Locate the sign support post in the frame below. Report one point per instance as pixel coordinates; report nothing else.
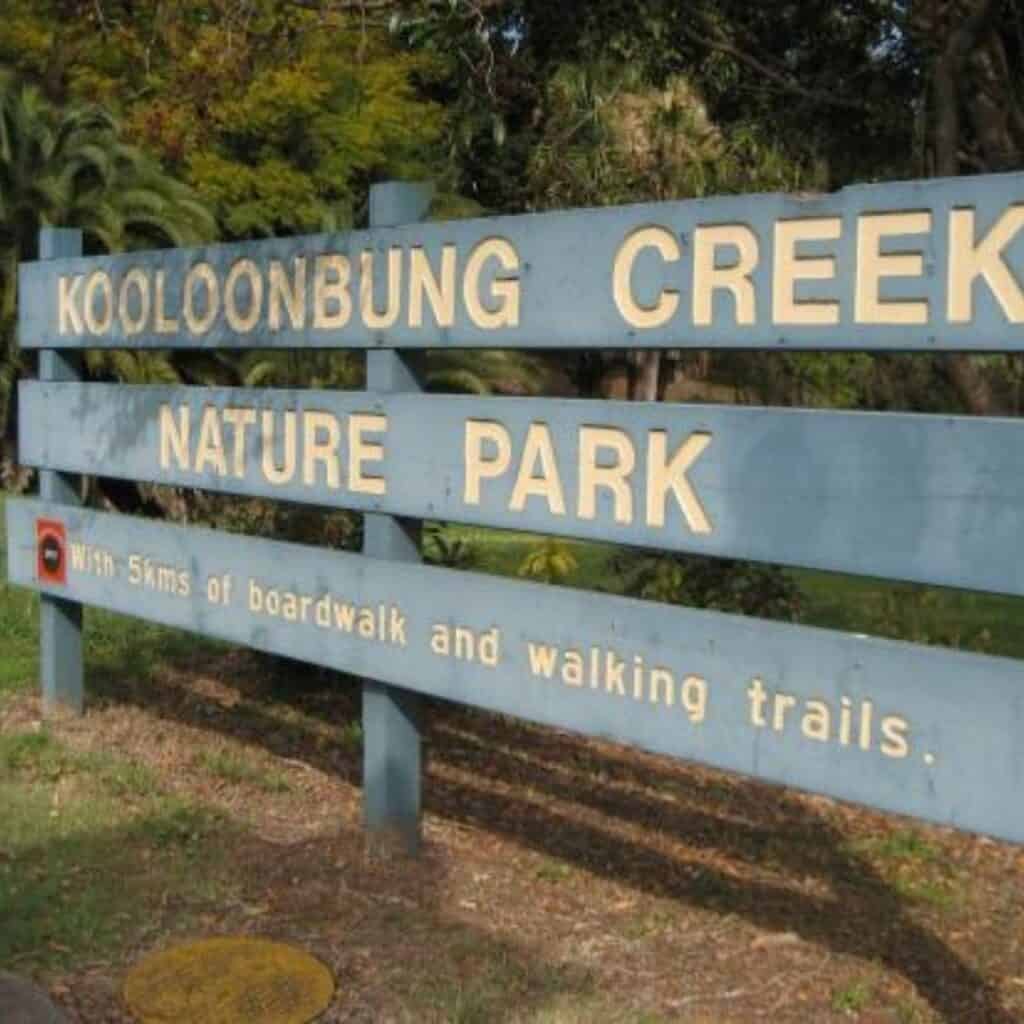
(60, 620)
(392, 758)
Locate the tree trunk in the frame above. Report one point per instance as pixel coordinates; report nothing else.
(965, 31)
(645, 384)
(970, 383)
(945, 115)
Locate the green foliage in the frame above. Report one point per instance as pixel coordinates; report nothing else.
(350, 736)
(611, 137)
(551, 561)
(139, 366)
(852, 998)
(279, 116)
(808, 379)
(286, 368)
(234, 767)
(904, 845)
(985, 623)
(71, 167)
(90, 848)
(292, 150)
(302, 524)
(448, 549)
(485, 372)
(715, 583)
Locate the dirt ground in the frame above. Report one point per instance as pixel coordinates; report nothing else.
(561, 880)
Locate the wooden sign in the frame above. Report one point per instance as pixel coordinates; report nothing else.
(930, 266)
(918, 265)
(933, 499)
(872, 720)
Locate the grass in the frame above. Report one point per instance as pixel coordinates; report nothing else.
(38, 756)
(942, 894)
(91, 845)
(19, 653)
(554, 871)
(985, 623)
(350, 736)
(913, 867)
(852, 998)
(645, 925)
(232, 766)
(904, 845)
(484, 993)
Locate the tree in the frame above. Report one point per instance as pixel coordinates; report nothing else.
(972, 112)
(279, 114)
(611, 137)
(71, 168)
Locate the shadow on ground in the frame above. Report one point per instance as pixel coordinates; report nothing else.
(378, 923)
(480, 766)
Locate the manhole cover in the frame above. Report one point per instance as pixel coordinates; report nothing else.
(229, 981)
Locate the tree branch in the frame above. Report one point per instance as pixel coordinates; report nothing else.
(947, 72)
(723, 45)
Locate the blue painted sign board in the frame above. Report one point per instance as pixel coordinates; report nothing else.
(918, 265)
(926, 266)
(884, 723)
(934, 499)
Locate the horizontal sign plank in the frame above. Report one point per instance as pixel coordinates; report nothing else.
(925, 498)
(884, 723)
(915, 265)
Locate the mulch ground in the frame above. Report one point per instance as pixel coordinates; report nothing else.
(561, 879)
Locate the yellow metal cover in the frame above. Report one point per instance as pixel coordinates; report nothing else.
(229, 981)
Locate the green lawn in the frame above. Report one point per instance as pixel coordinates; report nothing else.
(19, 657)
(90, 845)
(933, 615)
(89, 842)
(989, 623)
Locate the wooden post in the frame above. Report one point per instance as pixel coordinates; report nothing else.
(60, 621)
(392, 762)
